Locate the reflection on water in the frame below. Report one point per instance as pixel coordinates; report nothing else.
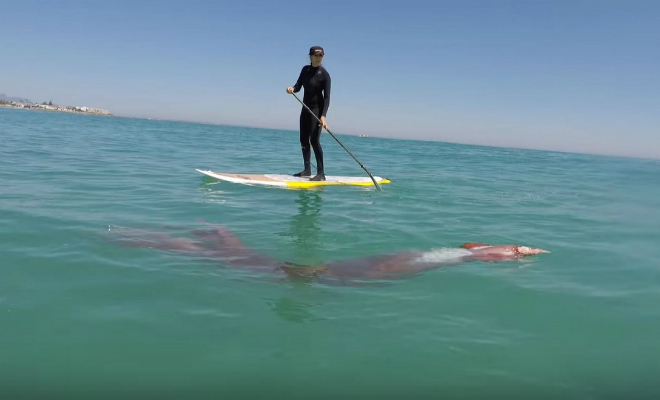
(305, 228)
(293, 309)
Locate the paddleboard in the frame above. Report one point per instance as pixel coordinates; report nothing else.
(292, 181)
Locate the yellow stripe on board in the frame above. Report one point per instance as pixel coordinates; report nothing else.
(333, 183)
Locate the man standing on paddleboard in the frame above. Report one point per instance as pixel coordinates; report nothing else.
(316, 81)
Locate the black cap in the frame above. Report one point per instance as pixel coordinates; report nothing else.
(315, 50)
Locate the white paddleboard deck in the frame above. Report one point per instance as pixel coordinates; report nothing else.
(282, 180)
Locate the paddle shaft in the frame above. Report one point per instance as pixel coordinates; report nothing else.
(338, 141)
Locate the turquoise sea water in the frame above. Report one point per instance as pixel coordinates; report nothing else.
(83, 317)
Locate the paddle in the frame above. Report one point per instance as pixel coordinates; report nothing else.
(340, 143)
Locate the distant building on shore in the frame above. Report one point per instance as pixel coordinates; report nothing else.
(54, 107)
(92, 110)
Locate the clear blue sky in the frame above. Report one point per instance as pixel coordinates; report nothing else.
(570, 75)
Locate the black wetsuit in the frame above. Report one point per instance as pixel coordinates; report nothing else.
(316, 82)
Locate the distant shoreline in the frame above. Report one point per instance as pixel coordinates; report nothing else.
(653, 158)
(56, 108)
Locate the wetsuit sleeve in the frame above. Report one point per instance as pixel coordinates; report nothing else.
(326, 94)
(298, 85)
